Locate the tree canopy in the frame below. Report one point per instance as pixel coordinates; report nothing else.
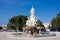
(55, 23)
(17, 22)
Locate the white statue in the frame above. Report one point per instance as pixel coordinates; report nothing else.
(32, 19)
(32, 11)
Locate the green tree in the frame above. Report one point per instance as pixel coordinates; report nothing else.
(39, 23)
(17, 22)
(56, 22)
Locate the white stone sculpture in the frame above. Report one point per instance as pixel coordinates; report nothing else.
(32, 19)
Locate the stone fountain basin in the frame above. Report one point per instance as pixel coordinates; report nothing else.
(43, 34)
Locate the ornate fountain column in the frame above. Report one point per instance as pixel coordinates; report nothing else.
(31, 23)
(32, 19)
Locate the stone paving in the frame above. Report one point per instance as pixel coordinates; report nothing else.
(4, 36)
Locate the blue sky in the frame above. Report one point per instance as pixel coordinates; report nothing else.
(45, 10)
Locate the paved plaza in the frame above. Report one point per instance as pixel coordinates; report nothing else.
(5, 36)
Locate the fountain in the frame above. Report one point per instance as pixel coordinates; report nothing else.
(31, 29)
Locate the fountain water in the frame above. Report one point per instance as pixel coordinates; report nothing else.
(32, 19)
